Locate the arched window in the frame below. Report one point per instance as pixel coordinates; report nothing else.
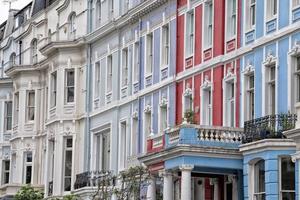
(72, 27)
(259, 180)
(12, 59)
(98, 12)
(34, 51)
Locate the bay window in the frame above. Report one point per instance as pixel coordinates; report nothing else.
(70, 85)
(16, 108)
(72, 26)
(189, 35)
(67, 164)
(34, 51)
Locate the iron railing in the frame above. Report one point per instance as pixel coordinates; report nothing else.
(270, 126)
(94, 179)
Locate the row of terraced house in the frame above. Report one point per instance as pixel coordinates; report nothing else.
(205, 93)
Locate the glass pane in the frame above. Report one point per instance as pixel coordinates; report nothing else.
(29, 157)
(70, 78)
(260, 176)
(69, 142)
(6, 177)
(70, 94)
(30, 114)
(67, 184)
(288, 196)
(68, 163)
(251, 82)
(28, 174)
(6, 165)
(272, 73)
(31, 99)
(287, 174)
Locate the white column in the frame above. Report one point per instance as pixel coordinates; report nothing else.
(168, 186)
(186, 182)
(151, 191)
(199, 188)
(214, 182)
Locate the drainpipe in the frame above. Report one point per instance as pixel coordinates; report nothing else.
(87, 134)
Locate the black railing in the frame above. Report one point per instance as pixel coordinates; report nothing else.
(94, 179)
(270, 126)
(50, 188)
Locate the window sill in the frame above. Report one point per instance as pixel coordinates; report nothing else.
(295, 8)
(271, 18)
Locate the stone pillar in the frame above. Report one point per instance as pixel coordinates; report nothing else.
(186, 182)
(199, 188)
(168, 185)
(151, 190)
(296, 160)
(235, 192)
(215, 183)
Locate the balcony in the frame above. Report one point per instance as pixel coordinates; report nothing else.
(93, 179)
(271, 126)
(212, 136)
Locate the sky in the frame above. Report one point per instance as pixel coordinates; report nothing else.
(17, 4)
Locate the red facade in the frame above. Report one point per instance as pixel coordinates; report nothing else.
(202, 60)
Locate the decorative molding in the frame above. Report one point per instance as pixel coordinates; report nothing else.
(147, 109)
(163, 102)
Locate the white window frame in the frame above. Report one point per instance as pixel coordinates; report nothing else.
(7, 117)
(165, 45)
(189, 33)
(123, 145)
(255, 182)
(98, 12)
(109, 73)
(34, 50)
(70, 87)
(271, 9)
(208, 27)
(72, 25)
(269, 83)
(280, 180)
(206, 105)
(147, 127)
(149, 54)
(163, 118)
(97, 80)
(125, 65)
(231, 24)
(134, 136)
(251, 14)
(53, 95)
(30, 107)
(249, 91)
(229, 118)
(27, 164)
(5, 171)
(67, 149)
(136, 60)
(100, 161)
(16, 107)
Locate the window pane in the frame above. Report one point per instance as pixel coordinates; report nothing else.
(68, 163)
(6, 165)
(28, 174)
(70, 78)
(69, 143)
(260, 176)
(29, 157)
(288, 196)
(70, 94)
(287, 174)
